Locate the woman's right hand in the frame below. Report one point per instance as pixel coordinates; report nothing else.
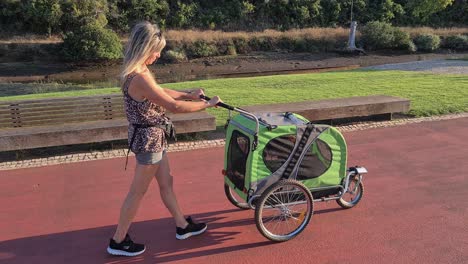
(214, 101)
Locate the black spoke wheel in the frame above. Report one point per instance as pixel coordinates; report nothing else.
(284, 210)
(353, 195)
(234, 198)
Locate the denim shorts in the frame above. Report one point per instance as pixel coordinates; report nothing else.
(149, 158)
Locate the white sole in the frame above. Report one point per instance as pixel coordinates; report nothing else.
(117, 252)
(182, 237)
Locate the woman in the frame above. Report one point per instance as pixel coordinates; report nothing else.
(145, 105)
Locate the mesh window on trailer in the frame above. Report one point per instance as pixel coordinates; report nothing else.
(238, 153)
(316, 161)
(277, 151)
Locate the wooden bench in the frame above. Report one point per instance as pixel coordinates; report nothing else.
(39, 123)
(380, 106)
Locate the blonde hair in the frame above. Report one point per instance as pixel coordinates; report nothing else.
(144, 39)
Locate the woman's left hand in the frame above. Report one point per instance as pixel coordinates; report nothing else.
(195, 94)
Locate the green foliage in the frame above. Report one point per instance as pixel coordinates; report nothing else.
(231, 50)
(330, 13)
(183, 14)
(402, 40)
(11, 15)
(242, 45)
(301, 45)
(92, 42)
(201, 48)
(458, 42)
(83, 12)
(154, 11)
(42, 16)
(85, 36)
(423, 9)
(118, 16)
(247, 9)
(175, 55)
(378, 35)
(226, 47)
(286, 14)
(381, 35)
(427, 42)
(46, 16)
(261, 43)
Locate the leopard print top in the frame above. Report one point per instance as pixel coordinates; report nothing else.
(150, 139)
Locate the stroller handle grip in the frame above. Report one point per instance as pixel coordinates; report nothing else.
(223, 105)
(241, 111)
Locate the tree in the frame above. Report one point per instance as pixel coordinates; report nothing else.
(92, 42)
(78, 13)
(85, 36)
(42, 16)
(423, 9)
(182, 14)
(154, 11)
(383, 10)
(330, 12)
(11, 15)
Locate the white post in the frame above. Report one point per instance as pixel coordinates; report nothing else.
(352, 36)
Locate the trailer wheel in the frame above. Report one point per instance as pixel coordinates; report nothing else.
(284, 210)
(353, 195)
(234, 199)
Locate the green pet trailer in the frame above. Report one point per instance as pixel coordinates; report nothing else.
(279, 164)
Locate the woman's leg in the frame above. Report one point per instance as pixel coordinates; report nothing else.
(143, 176)
(165, 182)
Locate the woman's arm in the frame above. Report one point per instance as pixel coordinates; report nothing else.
(176, 95)
(153, 92)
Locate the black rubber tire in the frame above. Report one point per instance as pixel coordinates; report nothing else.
(227, 191)
(261, 202)
(346, 205)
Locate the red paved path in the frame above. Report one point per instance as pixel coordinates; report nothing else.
(414, 209)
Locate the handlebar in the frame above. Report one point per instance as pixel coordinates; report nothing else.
(223, 105)
(246, 113)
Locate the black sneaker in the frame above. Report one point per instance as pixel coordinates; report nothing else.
(192, 229)
(125, 248)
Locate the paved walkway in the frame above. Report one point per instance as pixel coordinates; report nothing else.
(432, 66)
(414, 209)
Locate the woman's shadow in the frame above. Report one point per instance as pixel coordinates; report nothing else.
(89, 245)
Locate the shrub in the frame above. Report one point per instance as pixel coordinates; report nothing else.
(301, 45)
(92, 42)
(261, 43)
(200, 48)
(427, 42)
(226, 47)
(378, 35)
(381, 35)
(231, 50)
(457, 42)
(326, 44)
(285, 43)
(175, 55)
(402, 40)
(241, 44)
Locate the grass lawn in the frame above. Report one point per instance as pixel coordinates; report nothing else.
(430, 94)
